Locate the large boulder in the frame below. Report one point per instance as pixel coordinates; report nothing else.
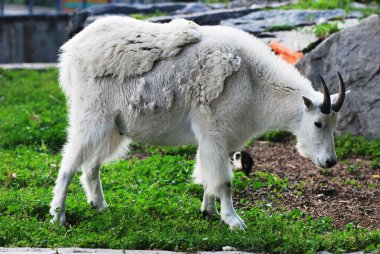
(213, 17)
(268, 20)
(78, 19)
(355, 53)
(218, 14)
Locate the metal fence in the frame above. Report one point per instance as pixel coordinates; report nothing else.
(59, 5)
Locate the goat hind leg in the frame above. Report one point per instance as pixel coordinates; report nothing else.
(80, 148)
(71, 160)
(110, 145)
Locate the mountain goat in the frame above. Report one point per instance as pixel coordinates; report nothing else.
(180, 83)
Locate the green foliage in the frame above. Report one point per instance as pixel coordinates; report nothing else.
(276, 136)
(330, 5)
(348, 145)
(152, 202)
(218, 2)
(188, 151)
(311, 46)
(321, 4)
(157, 13)
(325, 29)
(32, 109)
(280, 28)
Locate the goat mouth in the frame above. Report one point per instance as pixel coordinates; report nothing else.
(319, 164)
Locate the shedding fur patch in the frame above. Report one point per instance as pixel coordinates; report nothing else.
(123, 47)
(207, 78)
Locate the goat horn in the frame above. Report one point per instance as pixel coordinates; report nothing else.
(326, 105)
(341, 96)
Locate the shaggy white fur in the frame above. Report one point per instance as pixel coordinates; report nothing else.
(125, 47)
(174, 84)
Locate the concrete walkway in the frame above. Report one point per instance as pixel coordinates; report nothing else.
(23, 9)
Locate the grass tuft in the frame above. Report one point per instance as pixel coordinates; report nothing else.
(326, 29)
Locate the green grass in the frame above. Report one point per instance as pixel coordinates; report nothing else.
(226, 2)
(148, 15)
(152, 202)
(32, 109)
(330, 5)
(280, 28)
(325, 29)
(320, 4)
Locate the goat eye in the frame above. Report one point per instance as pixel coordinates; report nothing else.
(318, 124)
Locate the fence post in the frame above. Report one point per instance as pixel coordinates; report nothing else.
(30, 7)
(59, 6)
(1, 7)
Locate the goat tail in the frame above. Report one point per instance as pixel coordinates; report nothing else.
(65, 73)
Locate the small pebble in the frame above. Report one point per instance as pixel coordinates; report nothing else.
(229, 248)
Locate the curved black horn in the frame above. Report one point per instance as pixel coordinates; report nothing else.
(342, 94)
(326, 105)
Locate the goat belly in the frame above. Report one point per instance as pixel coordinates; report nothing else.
(152, 130)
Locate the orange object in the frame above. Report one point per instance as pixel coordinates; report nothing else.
(289, 55)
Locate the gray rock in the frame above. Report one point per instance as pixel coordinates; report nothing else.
(193, 8)
(269, 3)
(372, 6)
(295, 39)
(78, 19)
(347, 23)
(355, 52)
(217, 6)
(261, 21)
(213, 17)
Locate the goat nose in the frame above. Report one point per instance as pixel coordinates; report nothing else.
(330, 162)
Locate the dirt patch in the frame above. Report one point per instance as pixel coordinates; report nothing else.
(347, 193)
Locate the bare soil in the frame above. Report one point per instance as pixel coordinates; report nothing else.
(348, 193)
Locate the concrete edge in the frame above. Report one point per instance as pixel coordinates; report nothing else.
(98, 251)
(32, 66)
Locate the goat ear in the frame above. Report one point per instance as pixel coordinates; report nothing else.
(308, 102)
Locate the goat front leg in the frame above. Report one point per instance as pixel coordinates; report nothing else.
(93, 186)
(229, 215)
(216, 177)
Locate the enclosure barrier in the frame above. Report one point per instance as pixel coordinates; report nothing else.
(63, 6)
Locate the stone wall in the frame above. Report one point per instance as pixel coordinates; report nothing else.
(28, 39)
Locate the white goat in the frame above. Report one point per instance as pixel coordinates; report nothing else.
(175, 84)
